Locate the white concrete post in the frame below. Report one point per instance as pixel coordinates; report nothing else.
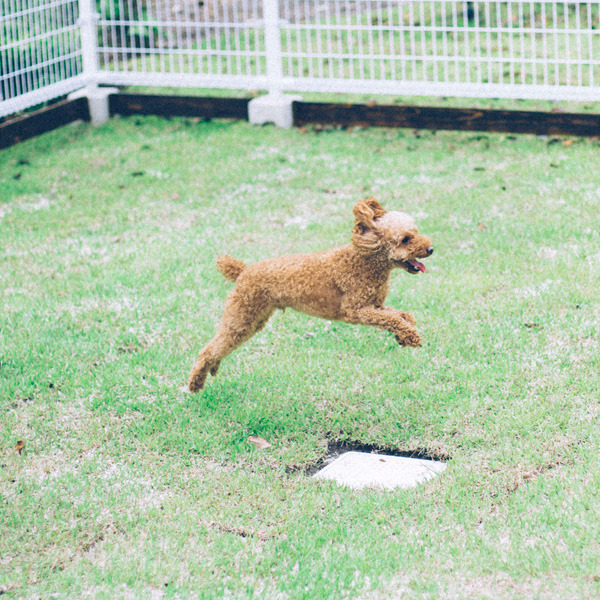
(97, 97)
(275, 107)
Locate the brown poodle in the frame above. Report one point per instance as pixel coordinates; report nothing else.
(347, 284)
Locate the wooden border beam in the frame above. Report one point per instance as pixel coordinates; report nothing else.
(179, 106)
(460, 119)
(46, 119)
(306, 113)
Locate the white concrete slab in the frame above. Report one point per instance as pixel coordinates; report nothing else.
(361, 469)
(272, 108)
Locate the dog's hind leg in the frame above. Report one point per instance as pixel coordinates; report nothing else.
(207, 361)
(243, 317)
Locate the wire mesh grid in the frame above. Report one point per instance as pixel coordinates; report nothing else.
(193, 41)
(40, 50)
(513, 48)
(486, 48)
(442, 45)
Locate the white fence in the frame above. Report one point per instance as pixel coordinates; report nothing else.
(40, 51)
(481, 48)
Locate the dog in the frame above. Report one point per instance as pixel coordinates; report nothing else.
(348, 284)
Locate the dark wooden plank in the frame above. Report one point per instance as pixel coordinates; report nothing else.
(413, 117)
(46, 119)
(418, 117)
(179, 106)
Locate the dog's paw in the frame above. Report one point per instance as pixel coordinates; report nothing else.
(409, 317)
(412, 339)
(195, 383)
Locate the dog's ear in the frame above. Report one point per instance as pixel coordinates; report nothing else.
(365, 212)
(364, 235)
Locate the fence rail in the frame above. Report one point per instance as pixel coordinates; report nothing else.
(479, 48)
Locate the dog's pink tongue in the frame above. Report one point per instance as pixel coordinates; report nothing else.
(417, 265)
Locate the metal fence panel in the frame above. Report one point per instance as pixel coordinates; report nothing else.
(40, 51)
(492, 48)
(480, 48)
(209, 43)
(489, 48)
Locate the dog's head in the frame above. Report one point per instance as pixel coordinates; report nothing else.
(391, 235)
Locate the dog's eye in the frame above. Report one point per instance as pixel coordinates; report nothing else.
(406, 240)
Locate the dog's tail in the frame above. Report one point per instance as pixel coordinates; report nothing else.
(230, 267)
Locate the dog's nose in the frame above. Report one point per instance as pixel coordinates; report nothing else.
(429, 250)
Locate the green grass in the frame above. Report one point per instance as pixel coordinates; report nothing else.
(129, 488)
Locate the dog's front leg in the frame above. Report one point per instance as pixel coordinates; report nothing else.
(395, 321)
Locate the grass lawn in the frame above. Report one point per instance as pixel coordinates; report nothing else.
(129, 488)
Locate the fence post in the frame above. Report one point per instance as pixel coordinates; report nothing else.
(275, 107)
(89, 40)
(97, 97)
(273, 46)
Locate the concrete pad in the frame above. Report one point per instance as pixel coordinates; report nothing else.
(272, 108)
(97, 101)
(361, 469)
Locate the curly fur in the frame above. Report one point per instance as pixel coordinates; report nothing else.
(230, 267)
(347, 284)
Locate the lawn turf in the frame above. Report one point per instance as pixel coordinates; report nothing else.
(128, 487)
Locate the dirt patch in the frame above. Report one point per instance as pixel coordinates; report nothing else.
(337, 448)
(240, 531)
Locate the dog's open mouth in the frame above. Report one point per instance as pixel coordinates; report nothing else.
(414, 266)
